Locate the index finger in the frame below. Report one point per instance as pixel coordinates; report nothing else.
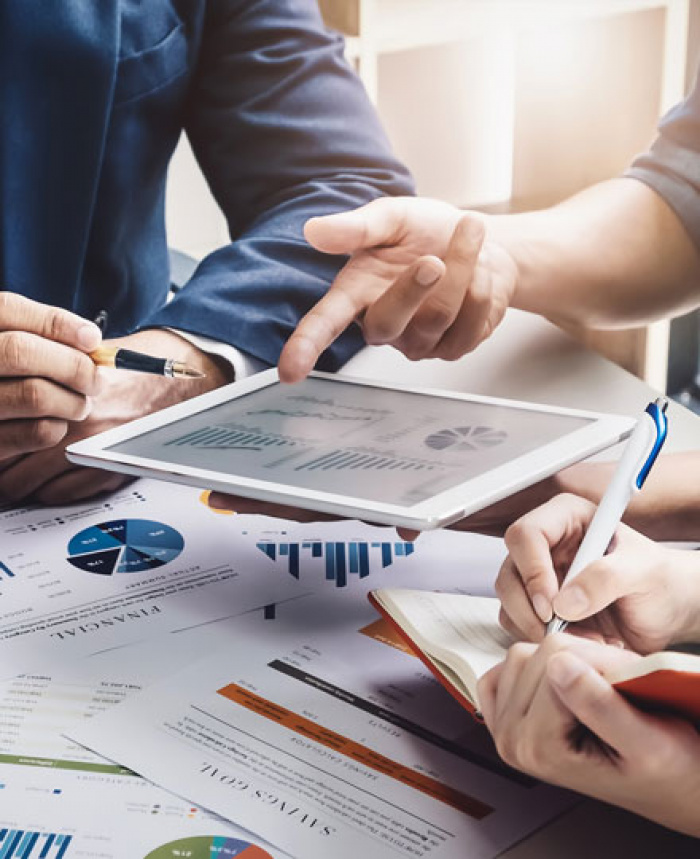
(531, 540)
(18, 313)
(323, 324)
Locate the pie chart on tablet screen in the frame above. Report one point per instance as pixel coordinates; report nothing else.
(209, 847)
(124, 546)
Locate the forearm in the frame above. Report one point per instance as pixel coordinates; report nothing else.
(667, 509)
(614, 255)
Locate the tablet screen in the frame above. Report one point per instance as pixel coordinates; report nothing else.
(396, 447)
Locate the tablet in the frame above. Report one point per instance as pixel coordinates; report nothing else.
(353, 447)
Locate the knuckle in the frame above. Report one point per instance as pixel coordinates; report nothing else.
(413, 347)
(435, 317)
(450, 351)
(518, 655)
(516, 533)
(45, 433)
(14, 351)
(33, 396)
(506, 746)
(378, 332)
(8, 300)
(82, 372)
(501, 584)
(55, 327)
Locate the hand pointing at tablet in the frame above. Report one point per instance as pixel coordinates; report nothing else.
(420, 278)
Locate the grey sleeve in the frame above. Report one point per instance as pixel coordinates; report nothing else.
(672, 165)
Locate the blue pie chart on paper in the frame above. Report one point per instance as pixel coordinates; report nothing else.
(124, 546)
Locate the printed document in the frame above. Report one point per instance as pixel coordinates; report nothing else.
(147, 560)
(319, 732)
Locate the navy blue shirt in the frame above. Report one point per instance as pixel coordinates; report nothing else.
(93, 98)
(672, 165)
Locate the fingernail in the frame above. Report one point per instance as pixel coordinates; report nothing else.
(543, 608)
(427, 274)
(87, 408)
(89, 336)
(563, 669)
(571, 603)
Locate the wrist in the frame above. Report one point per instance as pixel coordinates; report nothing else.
(683, 577)
(165, 343)
(668, 508)
(128, 395)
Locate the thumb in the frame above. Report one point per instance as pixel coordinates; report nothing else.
(377, 223)
(596, 704)
(599, 585)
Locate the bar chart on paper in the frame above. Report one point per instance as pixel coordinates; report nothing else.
(341, 559)
(20, 844)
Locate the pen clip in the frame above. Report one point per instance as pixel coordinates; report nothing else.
(657, 413)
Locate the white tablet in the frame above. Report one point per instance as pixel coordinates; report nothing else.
(357, 448)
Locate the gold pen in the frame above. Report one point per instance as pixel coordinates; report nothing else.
(127, 359)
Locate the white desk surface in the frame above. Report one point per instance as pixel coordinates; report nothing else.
(529, 359)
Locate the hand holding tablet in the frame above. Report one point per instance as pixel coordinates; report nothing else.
(346, 447)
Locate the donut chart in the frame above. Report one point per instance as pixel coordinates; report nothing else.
(124, 546)
(209, 847)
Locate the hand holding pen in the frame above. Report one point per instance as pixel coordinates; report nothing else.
(637, 593)
(639, 456)
(46, 376)
(127, 359)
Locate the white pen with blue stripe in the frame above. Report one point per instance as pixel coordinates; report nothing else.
(634, 466)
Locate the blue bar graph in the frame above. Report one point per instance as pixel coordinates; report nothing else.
(18, 844)
(6, 571)
(340, 559)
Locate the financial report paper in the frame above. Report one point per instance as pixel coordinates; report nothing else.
(324, 736)
(149, 559)
(59, 801)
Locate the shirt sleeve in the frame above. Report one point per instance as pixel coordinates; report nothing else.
(672, 165)
(283, 131)
(243, 365)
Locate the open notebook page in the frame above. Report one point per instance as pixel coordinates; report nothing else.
(443, 624)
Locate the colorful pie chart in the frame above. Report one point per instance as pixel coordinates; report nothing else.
(124, 546)
(209, 847)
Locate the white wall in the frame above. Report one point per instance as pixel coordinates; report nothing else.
(543, 116)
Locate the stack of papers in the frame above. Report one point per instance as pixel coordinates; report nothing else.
(201, 685)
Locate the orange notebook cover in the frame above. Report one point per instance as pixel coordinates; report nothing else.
(665, 689)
